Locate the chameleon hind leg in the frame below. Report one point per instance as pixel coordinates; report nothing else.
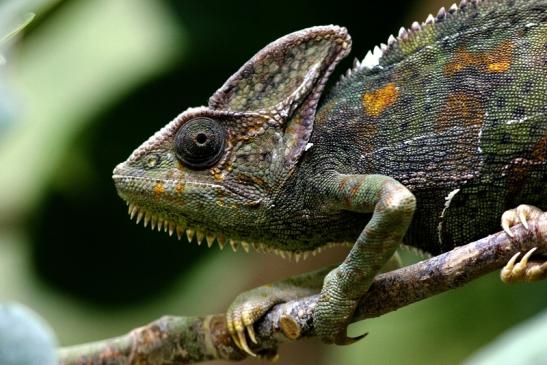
(249, 306)
(526, 269)
(392, 206)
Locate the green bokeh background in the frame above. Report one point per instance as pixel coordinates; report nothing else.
(89, 81)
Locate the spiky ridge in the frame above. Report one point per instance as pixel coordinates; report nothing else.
(181, 229)
(372, 58)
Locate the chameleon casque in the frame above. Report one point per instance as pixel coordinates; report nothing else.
(426, 142)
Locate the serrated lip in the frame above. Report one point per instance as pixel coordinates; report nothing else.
(159, 223)
(117, 177)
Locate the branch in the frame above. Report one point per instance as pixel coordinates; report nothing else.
(188, 340)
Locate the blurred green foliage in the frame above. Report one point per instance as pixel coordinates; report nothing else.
(523, 344)
(13, 19)
(92, 79)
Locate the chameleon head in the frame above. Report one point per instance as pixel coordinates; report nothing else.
(212, 170)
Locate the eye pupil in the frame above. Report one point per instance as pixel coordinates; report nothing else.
(199, 143)
(201, 138)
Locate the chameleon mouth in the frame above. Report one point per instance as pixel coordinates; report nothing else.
(159, 223)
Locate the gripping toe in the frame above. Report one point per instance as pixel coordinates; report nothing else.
(526, 270)
(242, 315)
(519, 215)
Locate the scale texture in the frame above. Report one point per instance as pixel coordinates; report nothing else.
(425, 142)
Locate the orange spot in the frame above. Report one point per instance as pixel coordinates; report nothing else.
(498, 67)
(356, 188)
(342, 184)
(218, 173)
(460, 109)
(249, 179)
(494, 61)
(375, 102)
(251, 131)
(179, 188)
(159, 188)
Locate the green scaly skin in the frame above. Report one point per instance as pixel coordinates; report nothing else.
(426, 142)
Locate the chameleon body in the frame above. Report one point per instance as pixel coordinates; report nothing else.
(426, 142)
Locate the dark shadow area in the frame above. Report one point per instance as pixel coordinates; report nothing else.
(84, 243)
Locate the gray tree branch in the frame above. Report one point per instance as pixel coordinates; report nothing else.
(188, 340)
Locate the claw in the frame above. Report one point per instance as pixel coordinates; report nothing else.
(507, 230)
(524, 270)
(251, 332)
(346, 340)
(235, 339)
(507, 220)
(511, 262)
(506, 272)
(243, 343)
(520, 214)
(522, 218)
(525, 258)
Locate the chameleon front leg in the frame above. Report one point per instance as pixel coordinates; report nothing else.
(392, 206)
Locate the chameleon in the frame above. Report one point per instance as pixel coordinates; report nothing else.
(428, 142)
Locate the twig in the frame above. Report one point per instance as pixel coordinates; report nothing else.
(188, 340)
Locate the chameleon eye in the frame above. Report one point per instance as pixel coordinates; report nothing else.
(199, 143)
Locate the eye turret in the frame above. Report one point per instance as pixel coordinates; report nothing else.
(200, 142)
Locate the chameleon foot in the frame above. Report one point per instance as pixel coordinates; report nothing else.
(333, 312)
(520, 214)
(249, 306)
(525, 270)
(246, 309)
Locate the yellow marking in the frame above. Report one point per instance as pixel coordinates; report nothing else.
(250, 179)
(179, 188)
(375, 102)
(495, 61)
(499, 60)
(251, 131)
(218, 174)
(498, 67)
(461, 60)
(159, 188)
